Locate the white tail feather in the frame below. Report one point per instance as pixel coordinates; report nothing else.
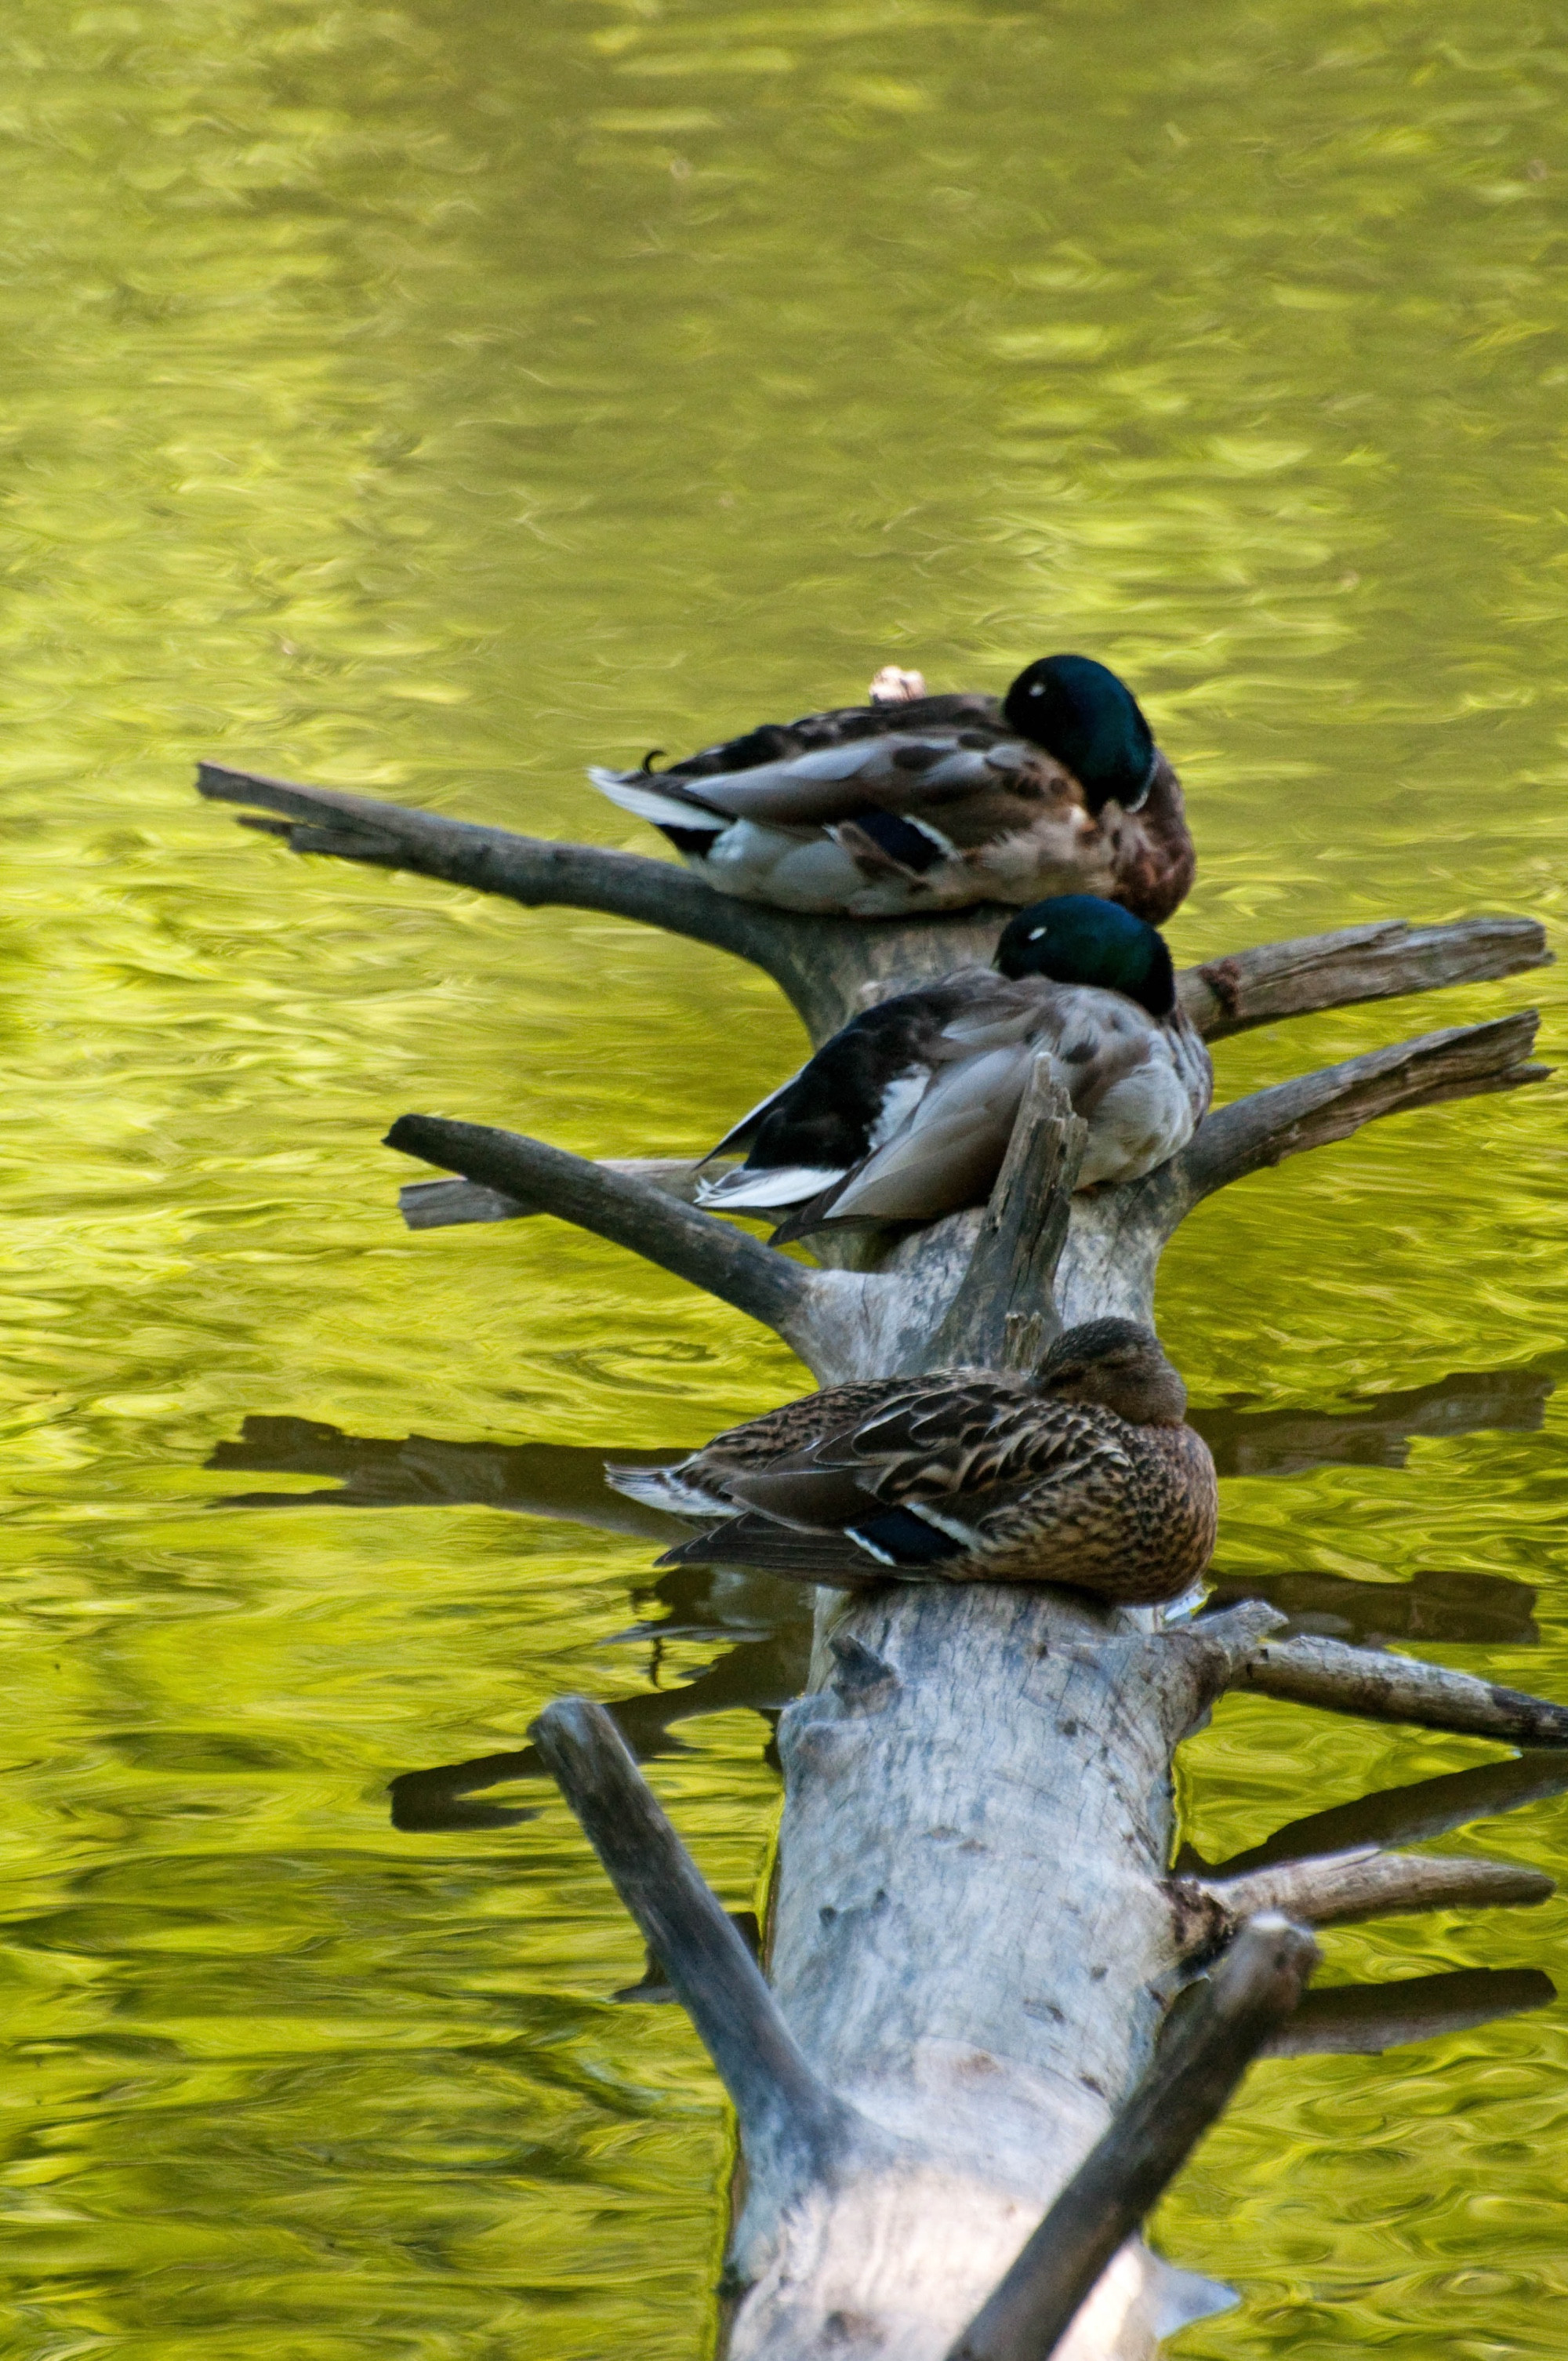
(785, 1184)
(665, 810)
(664, 1488)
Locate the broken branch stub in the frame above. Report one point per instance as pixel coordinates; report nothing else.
(1349, 1886)
(1384, 1687)
(1251, 1994)
(1379, 962)
(793, 2129)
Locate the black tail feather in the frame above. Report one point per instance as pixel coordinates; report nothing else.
(777, 1549)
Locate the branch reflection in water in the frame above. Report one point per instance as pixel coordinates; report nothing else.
(767, 1624)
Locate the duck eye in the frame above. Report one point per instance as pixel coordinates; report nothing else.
(1038, 688)
(1036, 932)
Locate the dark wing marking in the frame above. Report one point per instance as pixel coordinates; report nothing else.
(823, 1120)
(901, 1541)
(889, 836)
(975, 715)
(756, 1541)
(1027, 1442)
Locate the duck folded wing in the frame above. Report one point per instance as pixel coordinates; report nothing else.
(1045, 1449)
(978, 1437)
(950, 1147)
(858, 1090)
(887, 772)
(1045, 1452)
(968, 710)
(697, 1484)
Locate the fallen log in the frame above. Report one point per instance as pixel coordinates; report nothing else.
(943, 2084)
(974, 1946)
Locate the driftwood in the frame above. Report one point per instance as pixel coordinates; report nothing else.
(1258, 1988)
(976, 1964)
(825, 966)
(949, 2104)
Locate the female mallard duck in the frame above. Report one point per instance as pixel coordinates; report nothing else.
(1083, 1473)
(913, 803)
(906, 1113)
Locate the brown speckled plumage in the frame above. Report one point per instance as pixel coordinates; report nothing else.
(1039, 1479)
(1021, 826)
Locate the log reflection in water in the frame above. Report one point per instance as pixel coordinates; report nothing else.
(1376, 1431)
(769, 1625)
(1363, 2020)
(1447, 1604)
(533, 1479)
(1405, 1816)
(547, 1479)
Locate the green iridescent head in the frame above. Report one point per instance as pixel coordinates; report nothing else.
(1079, 938)
(1079, 711)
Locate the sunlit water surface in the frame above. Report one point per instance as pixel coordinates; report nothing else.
(431, 398)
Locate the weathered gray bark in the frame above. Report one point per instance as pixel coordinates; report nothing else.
(1397, 1688)
(1254, 1990)
(975, 1940)
(974, 1946)
(829, 968)
(1035, 1257)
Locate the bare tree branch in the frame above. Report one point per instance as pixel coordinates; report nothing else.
(822, 964)
(1363, 2020)
(790, 2125)
(1400, 1688)
(1340, 1886)
(1252, 1992)
(1312, 1110)
(1379, 962)
(710, 1254)
(832, 967)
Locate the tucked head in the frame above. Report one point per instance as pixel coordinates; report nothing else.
(1089, 720)
(1079, 938)
(1119, 1364)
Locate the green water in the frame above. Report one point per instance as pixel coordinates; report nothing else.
(433, 398)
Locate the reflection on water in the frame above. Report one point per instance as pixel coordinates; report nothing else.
(537, 1479)
(1377, 1433)
(1392, 1817)
(434, 399)
(759, 1675)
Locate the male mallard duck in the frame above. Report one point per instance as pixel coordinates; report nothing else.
(906, 1113)
(914, 803)
(1083, 1473)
